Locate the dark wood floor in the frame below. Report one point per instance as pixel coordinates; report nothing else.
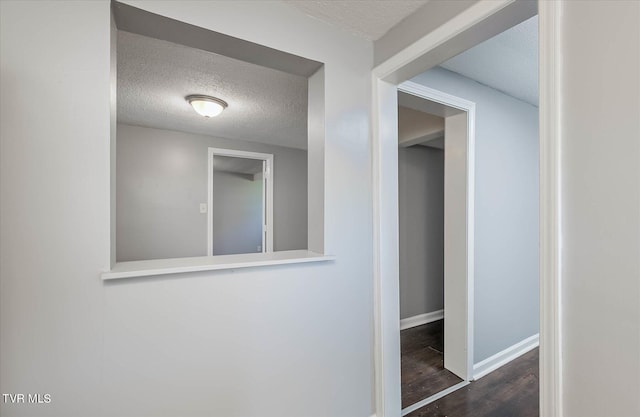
(422, 363)
(510, 391)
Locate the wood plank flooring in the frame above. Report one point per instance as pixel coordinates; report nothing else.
(510, 391)
(422, 363)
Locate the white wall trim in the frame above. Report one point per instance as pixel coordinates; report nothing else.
(267, 232)
(438, 96)
(421, 319)
(550, 65)
(434, 397)
(386, 258)
(502, 358)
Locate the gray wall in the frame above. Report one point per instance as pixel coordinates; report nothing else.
(421, 215)
(506, 204)
(162, 179)
(237, 213)
(179, 345)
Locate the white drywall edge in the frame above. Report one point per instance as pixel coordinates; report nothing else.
(154, 267)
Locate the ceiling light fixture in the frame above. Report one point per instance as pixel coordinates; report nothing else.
(206, 106)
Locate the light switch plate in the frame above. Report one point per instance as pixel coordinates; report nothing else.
(203, 208)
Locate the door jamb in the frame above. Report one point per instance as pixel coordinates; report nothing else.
(469, 108)
(267, 226)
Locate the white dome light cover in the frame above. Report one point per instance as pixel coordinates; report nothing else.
(206, 106)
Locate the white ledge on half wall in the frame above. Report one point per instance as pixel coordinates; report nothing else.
(155, 267)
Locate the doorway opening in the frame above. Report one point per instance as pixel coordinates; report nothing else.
(503, 311)
(240, 202)
(436, 137)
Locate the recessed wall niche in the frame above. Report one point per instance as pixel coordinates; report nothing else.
(248, 181)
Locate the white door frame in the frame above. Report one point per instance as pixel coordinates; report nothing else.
(459, 233)
(430, 50)
(267, 197)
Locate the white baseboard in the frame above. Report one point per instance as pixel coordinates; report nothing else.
(421, 319)
(433, 398)
(494, 362)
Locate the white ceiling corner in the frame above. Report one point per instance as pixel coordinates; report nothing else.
(367, 19)
(507, 62)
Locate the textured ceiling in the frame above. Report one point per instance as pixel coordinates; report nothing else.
(507, 62)
(367, 19)
(154, 76)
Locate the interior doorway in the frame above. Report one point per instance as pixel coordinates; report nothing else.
(436, 137)
(429, 51)
(240, 202)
